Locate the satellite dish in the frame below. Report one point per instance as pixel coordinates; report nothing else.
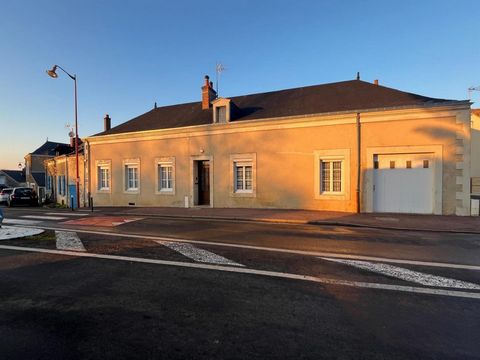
(71, 134)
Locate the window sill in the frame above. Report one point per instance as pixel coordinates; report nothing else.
(165, 192)
(132, 191)
(332, 196)
(250, 194)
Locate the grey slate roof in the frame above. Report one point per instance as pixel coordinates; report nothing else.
(50, 148)
(342, 96)
(39, 178)
(17, 175)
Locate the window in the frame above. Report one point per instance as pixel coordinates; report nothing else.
(61, 185)
(221, 114)
(103, 176)
(49, 182)
(131, 177)
(165, 177)
(243, 177)
(331, 176)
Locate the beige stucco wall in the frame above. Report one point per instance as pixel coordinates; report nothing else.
(285, 157)
(475, 152)
(66, 165)
(476, 143)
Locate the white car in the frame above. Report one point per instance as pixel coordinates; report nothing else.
(5, 195)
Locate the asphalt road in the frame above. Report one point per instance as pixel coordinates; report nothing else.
(142, 290)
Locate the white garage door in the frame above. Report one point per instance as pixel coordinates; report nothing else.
(403, 183)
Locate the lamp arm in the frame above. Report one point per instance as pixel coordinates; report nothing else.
(73, 77)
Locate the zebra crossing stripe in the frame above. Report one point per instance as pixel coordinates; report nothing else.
(41, 217)
(197, 254)
(20, 222)
(407, 275)
(67, 240)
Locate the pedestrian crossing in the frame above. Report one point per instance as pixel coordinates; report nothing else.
(37, 218)
(195, 253)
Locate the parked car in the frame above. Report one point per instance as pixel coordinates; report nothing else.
(5, 195)
(23, 195)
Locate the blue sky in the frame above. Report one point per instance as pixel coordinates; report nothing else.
(129, 54)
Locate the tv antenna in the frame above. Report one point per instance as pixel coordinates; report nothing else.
(470, 89)
(219, 68)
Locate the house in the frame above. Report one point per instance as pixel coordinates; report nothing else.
(12, 178)
(60, 177)
(34, 167)
(475, 160)
(345, 146)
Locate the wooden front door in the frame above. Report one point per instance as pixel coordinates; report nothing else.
(204, 182)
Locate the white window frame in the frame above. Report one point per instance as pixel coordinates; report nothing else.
(164, 162)
(330, 161)
(243, 165)
(342, 155)
(103, 165)
(243, 160)
(131, 164)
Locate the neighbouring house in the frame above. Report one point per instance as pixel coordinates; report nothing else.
(475, 159)
(345, 146)
(12, 178)
(34, 166)
(61, 177)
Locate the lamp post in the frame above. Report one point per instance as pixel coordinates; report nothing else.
(54, 75)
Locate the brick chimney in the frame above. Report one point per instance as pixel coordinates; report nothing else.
(208, 94)
(375, 82)
(107, 123)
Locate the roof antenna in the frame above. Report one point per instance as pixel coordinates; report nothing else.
(470, 89)
(219, 68)
(358, 75)
(155, 105)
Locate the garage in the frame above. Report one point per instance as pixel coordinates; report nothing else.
(403, 183)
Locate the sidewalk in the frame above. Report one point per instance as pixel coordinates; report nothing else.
(454, 224)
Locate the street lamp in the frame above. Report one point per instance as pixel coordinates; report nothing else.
(54, 75)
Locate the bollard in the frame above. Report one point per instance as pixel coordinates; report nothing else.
(71, 202)
(91, 203)
(1, 217)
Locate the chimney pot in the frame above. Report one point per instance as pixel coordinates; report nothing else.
(375, 81)
(107, 123)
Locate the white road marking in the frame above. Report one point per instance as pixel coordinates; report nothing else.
(196, 254)
(20, 222)
(287, 251)
(14, 232)
(408, 275)
(41, 217)
(240, 270)
(67, 240)
(65, 214)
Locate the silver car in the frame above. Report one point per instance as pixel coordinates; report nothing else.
(5, 195)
